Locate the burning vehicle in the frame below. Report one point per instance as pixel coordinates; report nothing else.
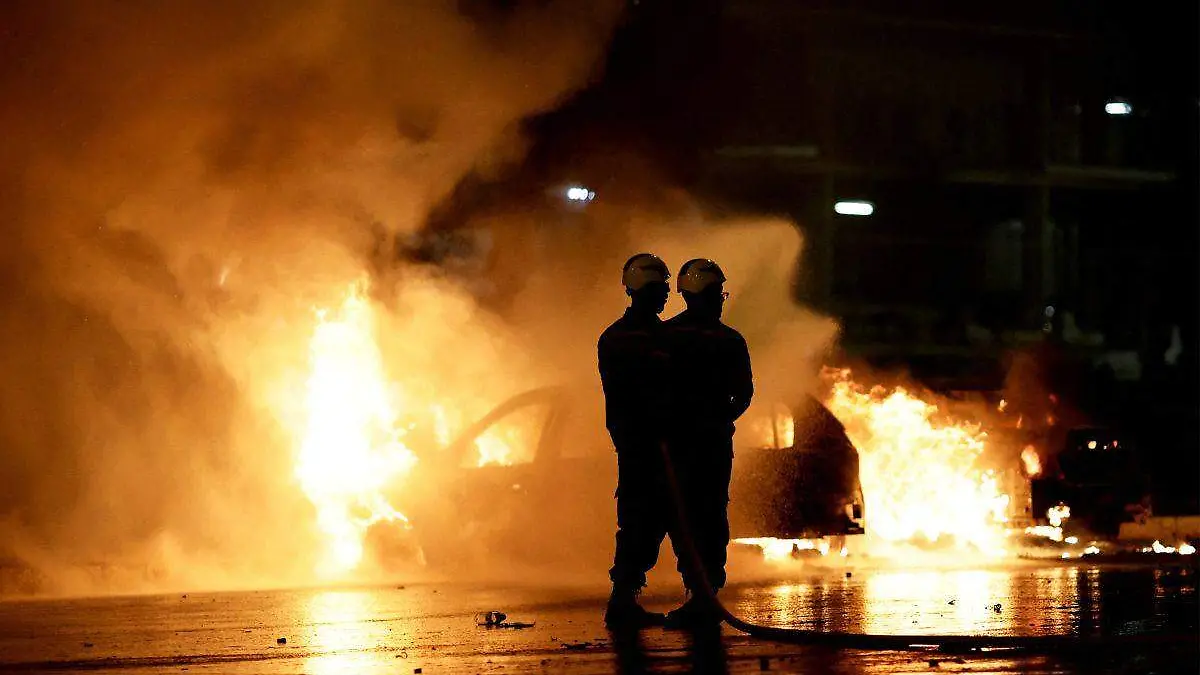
(1097, 473)
(802, 486)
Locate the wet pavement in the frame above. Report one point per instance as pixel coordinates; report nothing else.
(432, 627)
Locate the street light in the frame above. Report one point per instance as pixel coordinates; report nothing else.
(854, 207)
(1118, 107)
(578, 193)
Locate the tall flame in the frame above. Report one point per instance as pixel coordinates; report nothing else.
(919, 469)
(351, 448)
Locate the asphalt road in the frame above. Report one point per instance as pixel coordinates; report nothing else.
(432, 627)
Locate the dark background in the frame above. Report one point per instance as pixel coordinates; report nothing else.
(979, 131)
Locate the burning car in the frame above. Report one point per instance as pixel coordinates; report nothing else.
(1097, 474)
(801, 483)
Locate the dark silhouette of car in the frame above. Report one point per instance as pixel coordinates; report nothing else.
(558, 505)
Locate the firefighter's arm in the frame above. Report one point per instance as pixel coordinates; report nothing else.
(743, 379)
(612, 377)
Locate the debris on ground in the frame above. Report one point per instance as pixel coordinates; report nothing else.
(952, 601)
(418, 671)
(849, 574)
(934, 663)
(576, 646)
(495, 619)
(281, 641)
(490, 618)
(88, 645)
(996, 608)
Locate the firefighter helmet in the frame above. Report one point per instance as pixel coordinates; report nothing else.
(699, 274)
(642, 269)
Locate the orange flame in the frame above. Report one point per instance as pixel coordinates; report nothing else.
(781, 549)
(919, 469)
(1057, 515)
(351, 448)
(1032, 462)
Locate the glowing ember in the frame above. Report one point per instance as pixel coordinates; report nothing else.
(1157, 547)
(919, 469)
(1091, 550)
(1057, 515)
(782, 549)
(1031, 461)
(1047, 532)
(1003, 405)
(351, 447)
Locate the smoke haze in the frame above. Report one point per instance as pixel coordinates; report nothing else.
(181, 183)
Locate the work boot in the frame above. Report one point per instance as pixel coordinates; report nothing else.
(623, 611)
(693, 614)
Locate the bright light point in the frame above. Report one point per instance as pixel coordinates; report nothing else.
(1066, 556)
(1091, 445)
(1186, 549)
(1118, 108)
(854, 208)
(1057, 514)
(578, 193)
(1091, 550)
(1072, 540)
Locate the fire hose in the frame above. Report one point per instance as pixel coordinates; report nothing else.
(867, 641)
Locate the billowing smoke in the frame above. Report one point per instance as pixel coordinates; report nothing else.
(181, 183)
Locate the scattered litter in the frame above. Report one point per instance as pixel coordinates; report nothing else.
(576, 646)
(952, 601)
(996, 608)
(496, 619)
(185, 596)
(764, 663)
(281, 641)
(88, 645)
(490, 618)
